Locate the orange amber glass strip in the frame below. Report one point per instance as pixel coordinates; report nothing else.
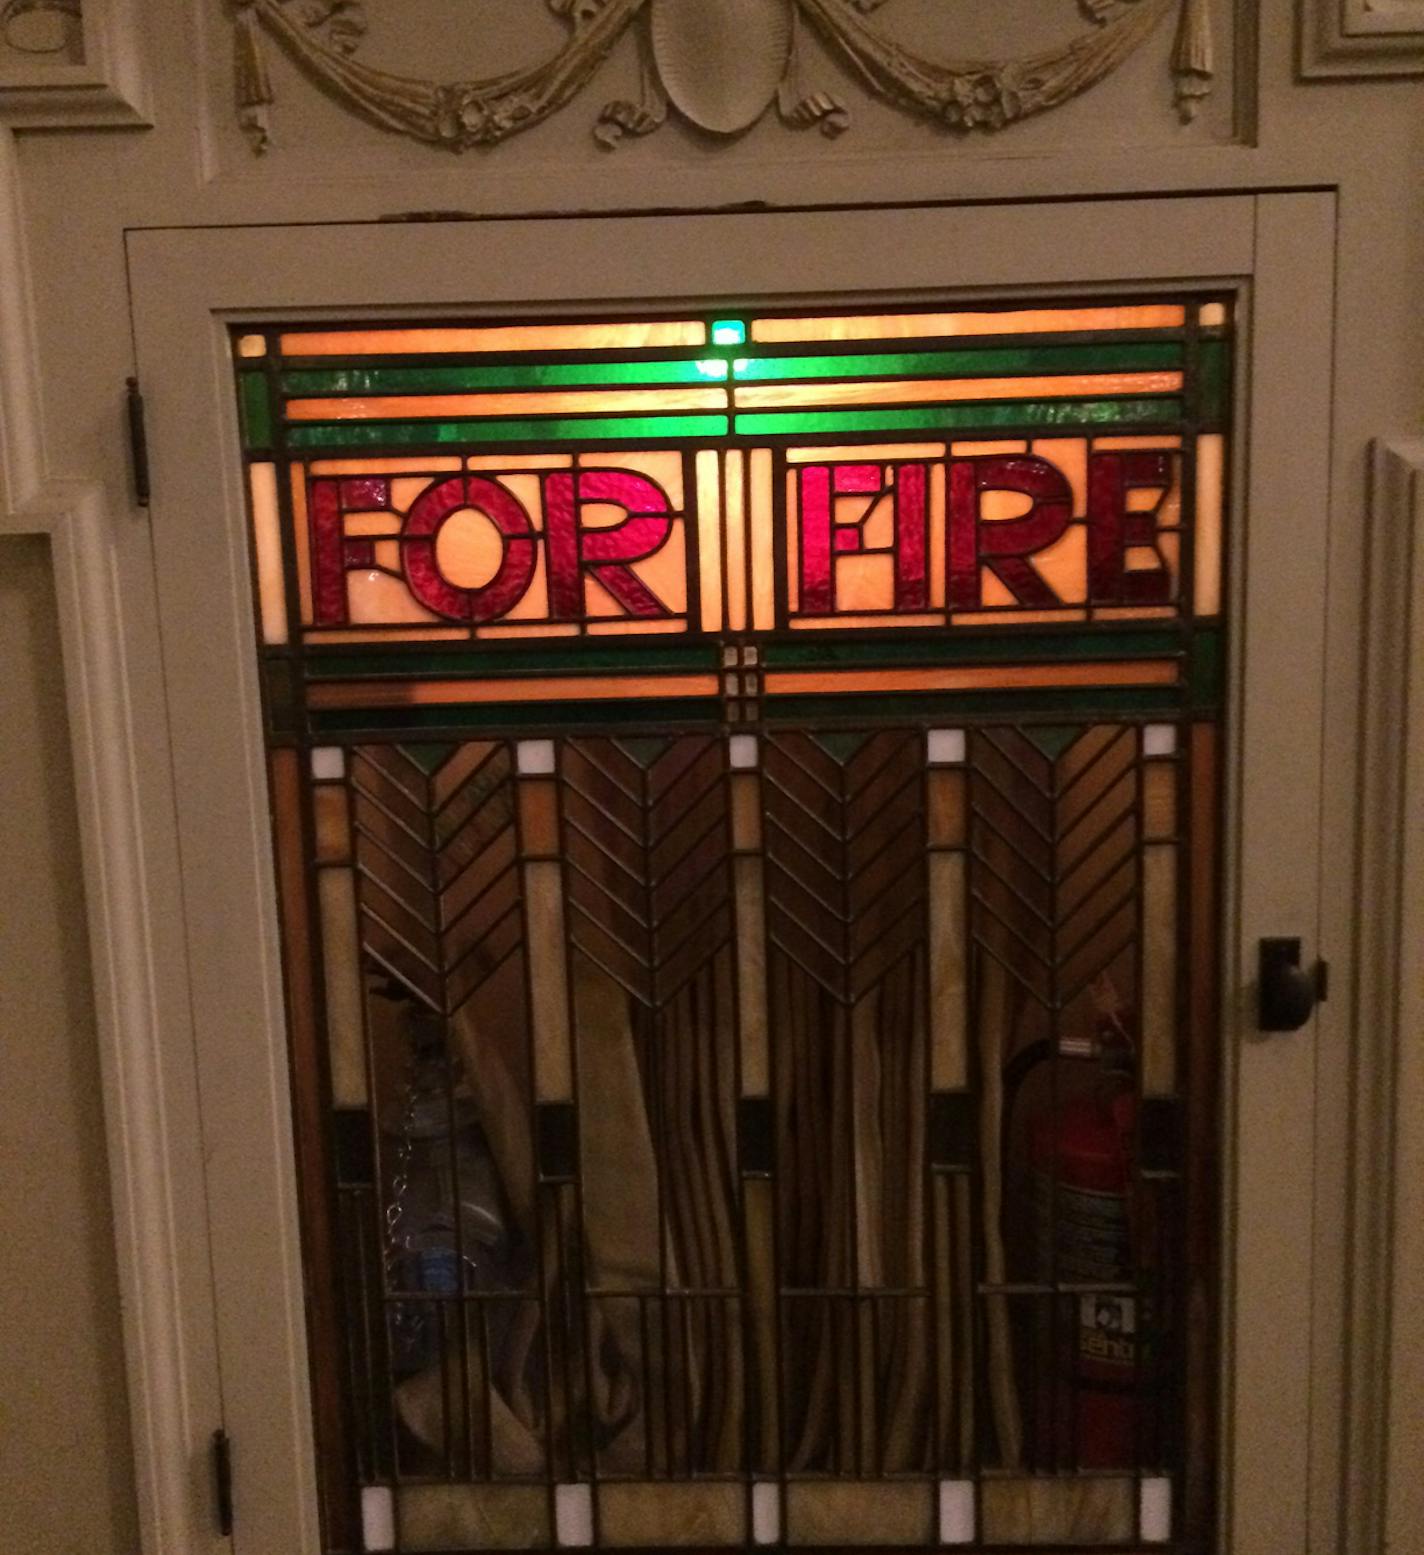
(1127, 672)
(709, 538)
(267, 543)
(914, 326)
(386, 634)
(553, 688)
(763, 540)
(736, 538)
(861, 452)
(939, 390)
(824, 623)
(496, 337)
(387, 466)
(570, 401)
(1206, 562)
(1018, 617)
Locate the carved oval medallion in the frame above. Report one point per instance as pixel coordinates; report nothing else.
(721, 60)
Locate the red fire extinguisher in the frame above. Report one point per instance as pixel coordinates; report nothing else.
(1093, 1351)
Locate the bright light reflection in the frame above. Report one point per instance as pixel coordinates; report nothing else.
(712, 369)
(728, 332)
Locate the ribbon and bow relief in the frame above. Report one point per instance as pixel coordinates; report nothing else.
(719, 65)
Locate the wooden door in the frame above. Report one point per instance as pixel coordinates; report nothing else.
(776, 780)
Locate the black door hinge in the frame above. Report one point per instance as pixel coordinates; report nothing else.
(138, 443)
(222, 1481)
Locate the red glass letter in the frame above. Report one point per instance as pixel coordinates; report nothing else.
(423, 523)
(1112, 528)
(333, 555)
(605, 552)
(822, 537)
(911, 531)
(1004, 545)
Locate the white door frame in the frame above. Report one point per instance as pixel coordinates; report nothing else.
(188, 284)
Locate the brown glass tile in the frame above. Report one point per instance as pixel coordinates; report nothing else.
(859, 1512)
(465, 1517)
(1043, 1510)
(746, 811)
(946, 807)
(1159, 799)
(671, 1514)
(331, 813)
(539, 817)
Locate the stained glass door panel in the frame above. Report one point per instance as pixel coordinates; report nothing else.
(746, 800)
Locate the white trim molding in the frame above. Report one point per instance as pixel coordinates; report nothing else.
(72, 516)
(154, 1158)
(96, 83)
(1361, 38)
(1384, 1507)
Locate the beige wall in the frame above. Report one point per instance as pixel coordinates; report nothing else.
(66, 1478)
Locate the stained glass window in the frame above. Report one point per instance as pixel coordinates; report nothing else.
(745, 791)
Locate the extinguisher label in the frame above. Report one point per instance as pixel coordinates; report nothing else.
(1107, 1329)
(1092, 1242)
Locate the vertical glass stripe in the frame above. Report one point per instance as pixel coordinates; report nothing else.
(256, 411)
(301, 542)
(1206, 555)
(709, 547)
(1214, 368)
(734, 522)
(336, 892)
(548, 981)
(267, 543)
(763, 541)
(949, 1062)
(751, 976)
(1159, 970)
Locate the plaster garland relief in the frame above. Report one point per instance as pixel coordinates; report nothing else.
(718, 64)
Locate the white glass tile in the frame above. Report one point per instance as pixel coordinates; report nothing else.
(742, 750)
(1155, 1511)
(378, 1519)
(766, 1514)
(535, 755)
(573, 1504)
(328, 761)
(1159, 739)
(956, 1511)
(946, 745)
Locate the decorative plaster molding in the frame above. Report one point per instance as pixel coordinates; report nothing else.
(719, 63)
(1361, 38)
(71, 64)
